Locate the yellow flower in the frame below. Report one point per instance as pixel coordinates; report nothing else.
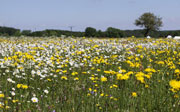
(161, 63)
(134, 94)
(115, 86)
(24, 86)
(7, 107)
(1, 95)
(176, 96)
(146, 86)
(19, 85)
(14, 101)
(111, 97)
(95, 90)
(76, 78)
(58, 70)
(103, 79)
(92, 78)
(119, 76)
(140, 77)
(49, 79)
(64, 71)
(98, 70)
(73, 73)
(97, 105)
(175, 84)
(102, 94)
(115, 99)
(1, 106)
(148, 76)
(177, 71)
(90, 89)
(63, 77)
(150, 70)
(125, 77)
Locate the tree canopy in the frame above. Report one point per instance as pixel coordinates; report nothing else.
(149, 22)
(89, 31)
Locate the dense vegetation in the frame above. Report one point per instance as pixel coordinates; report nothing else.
(89, 32)
(89, 75)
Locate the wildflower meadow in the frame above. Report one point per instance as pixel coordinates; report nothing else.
(89, 74)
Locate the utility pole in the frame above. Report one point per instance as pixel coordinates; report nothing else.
(71, 27)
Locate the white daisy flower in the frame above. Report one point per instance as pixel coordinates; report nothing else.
(34, 99)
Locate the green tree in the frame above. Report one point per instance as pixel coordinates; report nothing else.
(26, 32)
(114, 32)
(100, 34)
(90, 32)
(149, 22)
(17, 33)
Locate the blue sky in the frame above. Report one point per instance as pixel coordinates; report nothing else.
(100, 14)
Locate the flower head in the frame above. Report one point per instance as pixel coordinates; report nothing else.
(34, 99)
(134, 94)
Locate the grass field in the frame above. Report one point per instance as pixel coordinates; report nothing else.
(89, 75)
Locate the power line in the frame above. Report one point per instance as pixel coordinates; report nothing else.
(71, 28)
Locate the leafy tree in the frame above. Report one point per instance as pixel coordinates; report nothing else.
(90, 32)
(9, 31)
(114, 32)
(100, 34)
(149, 21)
(26, 32)
(17, 33)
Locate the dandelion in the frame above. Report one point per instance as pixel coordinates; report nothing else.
(24, 86)
(63, 77)
(134, 94)
(14, 101)
(1, 95)
(19, 85)
(102, 94)
(103, 79)
(177, 71)
(175, 84)
(76, 78)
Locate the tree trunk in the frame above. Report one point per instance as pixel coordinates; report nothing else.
(146, 32)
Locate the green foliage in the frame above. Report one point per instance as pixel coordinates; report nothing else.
(26, 32)
(149, 22)
(9, 31)
(17, 33)
(89, 75)
(114, 32)
(100, 34)
(90, 32)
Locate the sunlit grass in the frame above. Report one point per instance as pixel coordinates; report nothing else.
(89, 75)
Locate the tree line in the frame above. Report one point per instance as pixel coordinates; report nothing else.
(89, 32)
